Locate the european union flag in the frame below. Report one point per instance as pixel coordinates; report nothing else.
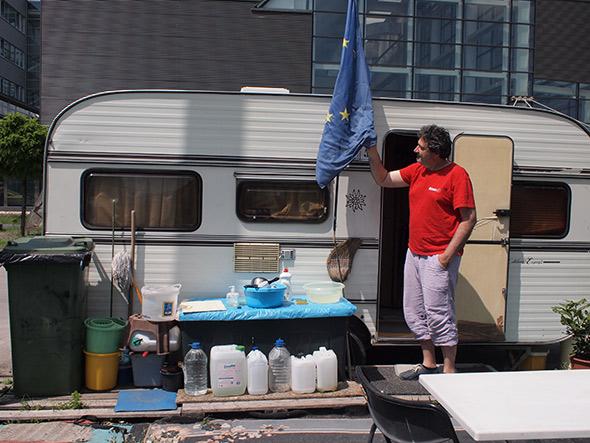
(349, 122)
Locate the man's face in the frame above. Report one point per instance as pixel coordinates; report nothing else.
(423, 154)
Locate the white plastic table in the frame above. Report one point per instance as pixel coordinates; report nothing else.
(516, 405)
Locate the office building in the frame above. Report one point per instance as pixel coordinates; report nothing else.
(19, 77)
(460, 50)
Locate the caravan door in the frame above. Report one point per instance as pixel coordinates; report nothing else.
(483, 276)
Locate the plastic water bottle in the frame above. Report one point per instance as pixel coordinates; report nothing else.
(279, 362)
(195, 370)
(232, 297)
(257, 372)
(285, 278)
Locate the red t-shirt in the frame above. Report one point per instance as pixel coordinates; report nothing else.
(435, 199)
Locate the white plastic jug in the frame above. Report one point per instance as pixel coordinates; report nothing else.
(228, 370)
(159, 302)
(303, 374)
(327, 369)
(257, 372)
(142, 341)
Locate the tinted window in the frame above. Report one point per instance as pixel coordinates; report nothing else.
(539, 210)
(281, 201)
(168, 201)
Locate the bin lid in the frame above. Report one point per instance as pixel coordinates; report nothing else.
(49, 245)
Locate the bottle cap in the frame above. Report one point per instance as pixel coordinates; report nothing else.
(196, 345)
(240, 348)
(279, 343)
(286, 270)
(254, 348)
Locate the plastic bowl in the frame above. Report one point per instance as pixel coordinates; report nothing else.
(324, 291)
(268, 297)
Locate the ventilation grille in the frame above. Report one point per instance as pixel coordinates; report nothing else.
(256, 257)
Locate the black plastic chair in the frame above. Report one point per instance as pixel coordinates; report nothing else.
(406, 421)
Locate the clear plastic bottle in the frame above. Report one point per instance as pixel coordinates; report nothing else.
(257, 372)
(285, 278)
(233, 297)
(279, 362)
(195, 370)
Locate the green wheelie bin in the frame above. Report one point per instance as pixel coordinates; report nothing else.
(47, 283)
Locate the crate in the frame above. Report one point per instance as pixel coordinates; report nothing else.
(146, 370)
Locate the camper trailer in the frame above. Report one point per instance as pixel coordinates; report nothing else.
(223, 187)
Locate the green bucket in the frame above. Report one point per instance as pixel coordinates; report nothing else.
(103, 335)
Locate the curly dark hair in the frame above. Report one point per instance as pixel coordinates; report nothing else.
(438, 139)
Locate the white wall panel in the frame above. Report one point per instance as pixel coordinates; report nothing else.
(539, 280)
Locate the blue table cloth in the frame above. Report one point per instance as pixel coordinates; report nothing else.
(289, 310)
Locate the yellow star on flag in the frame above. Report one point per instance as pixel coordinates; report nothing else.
(344, 114)
(345, 42)
(329, 117)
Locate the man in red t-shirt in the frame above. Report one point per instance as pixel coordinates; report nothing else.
(442, 216)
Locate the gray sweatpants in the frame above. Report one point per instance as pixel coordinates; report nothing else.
(429, 298)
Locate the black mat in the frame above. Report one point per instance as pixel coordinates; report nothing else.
(385, 379)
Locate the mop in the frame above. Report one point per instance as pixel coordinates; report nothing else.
(122, 268)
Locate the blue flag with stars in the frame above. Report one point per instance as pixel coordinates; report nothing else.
(349, 122)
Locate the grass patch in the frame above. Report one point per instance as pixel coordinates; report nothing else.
(9, 219)
(75, 402)
(13, 232)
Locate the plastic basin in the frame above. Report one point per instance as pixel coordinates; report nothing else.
(101, 370)
(103, 335)
(268, 297)
(323, 291)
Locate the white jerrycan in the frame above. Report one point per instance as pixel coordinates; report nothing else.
(229, 372)
(327, 369)
(303, 372)
(257, 372)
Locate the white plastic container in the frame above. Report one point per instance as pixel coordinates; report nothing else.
(324, 291)
(285, 278)
(142, 341)
(303, 374)
(327, 369)
(159, 302)
(257, 372)
(228, 370)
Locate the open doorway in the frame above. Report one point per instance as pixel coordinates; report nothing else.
(398, 152)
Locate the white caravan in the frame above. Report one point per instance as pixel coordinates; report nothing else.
(223, 188)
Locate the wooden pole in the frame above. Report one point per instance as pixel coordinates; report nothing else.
(130, 305)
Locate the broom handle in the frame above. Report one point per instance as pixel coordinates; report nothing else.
(130, 305)
(112, 254)
(334, 226)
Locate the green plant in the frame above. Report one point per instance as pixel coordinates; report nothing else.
(21, 151)
(75, 402)
(575, 316)
(26, 405)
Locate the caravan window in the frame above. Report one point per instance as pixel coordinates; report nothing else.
(275, 200)
(539, 209)
(162, 201)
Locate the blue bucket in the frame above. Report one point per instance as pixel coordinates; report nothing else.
(268, 297)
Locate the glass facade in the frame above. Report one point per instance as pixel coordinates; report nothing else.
(458, 50)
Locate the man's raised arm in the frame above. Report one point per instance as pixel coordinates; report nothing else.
(384, 178)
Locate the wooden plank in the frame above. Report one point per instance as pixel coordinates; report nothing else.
(52, 403)
(265, 405)
(73, 414)
(345, 389)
